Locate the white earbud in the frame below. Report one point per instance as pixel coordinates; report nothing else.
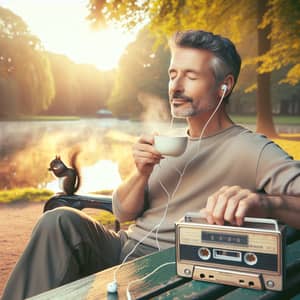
(224, 87)
(112, 287)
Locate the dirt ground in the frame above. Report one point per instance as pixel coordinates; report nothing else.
(16, 223)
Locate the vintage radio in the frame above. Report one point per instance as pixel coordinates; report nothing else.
(252, 256)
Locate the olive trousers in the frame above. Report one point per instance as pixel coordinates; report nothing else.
(66, 245)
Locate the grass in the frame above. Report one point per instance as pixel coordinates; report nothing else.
(24, 195)
(42, 195)
(243, 119)
(280, 120)
(108, 219)
(40, 118)
(290, 146)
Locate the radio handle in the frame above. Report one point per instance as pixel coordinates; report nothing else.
(247, 219)
(262, 220)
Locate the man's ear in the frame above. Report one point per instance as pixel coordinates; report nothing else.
(226, 85)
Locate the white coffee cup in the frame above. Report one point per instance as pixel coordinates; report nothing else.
(170, 145)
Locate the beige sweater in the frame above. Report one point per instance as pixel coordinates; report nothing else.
(234, 156)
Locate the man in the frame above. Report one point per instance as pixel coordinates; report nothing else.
(229, 173)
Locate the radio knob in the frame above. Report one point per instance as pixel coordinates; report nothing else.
(250, 258)
(204, 253)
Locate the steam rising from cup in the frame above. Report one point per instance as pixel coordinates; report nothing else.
(170, 145)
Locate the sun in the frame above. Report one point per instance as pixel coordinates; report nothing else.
(104, 48)
(63, 29)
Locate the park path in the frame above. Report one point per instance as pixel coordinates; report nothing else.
(17, 221)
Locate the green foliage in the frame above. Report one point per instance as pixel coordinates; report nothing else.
(25, 65)
(284, 18)
(128, 13)
(9, 96)
(80, 89)
(268, 31)
(24, 194)
(235, 19)
(248, 119)
(142, 70)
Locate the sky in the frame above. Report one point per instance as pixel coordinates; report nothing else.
(63, 29)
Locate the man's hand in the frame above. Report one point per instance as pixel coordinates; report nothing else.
(145, 156)
(233, 203)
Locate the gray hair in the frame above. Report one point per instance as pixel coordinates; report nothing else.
(226, 58)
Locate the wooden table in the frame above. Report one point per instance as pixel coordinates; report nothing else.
(165, 284)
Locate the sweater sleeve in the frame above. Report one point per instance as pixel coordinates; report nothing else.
(118, 211)
(276, 172)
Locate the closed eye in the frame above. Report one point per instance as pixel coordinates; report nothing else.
(192, 75)
(172, 74)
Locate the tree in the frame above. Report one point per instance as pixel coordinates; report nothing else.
(95, 88)
(263, 97)
(142, 71)
(23, 61)
(80, 89)
(278, 25)
(67, 90)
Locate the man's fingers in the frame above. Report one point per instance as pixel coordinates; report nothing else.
(145, 155)
(211, 201)
(146, 139)
(219, 209)
(215, 206)
(229, 213)
(226, 204)
(232, 204)
(144, 146)
(248, 204)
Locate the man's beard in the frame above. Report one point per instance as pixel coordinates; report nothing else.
(189, 108)
(182, 112)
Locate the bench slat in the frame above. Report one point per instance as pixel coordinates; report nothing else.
(165, 284)
(196, 290)
(94, 286)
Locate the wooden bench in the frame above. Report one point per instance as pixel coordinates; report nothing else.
(165, 284)
(80, 202)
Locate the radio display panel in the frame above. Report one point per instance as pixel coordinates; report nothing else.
(217, 237)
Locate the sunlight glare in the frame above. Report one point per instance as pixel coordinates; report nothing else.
(63, 28)
(104, 175)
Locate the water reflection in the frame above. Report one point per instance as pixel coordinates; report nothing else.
(104, 175)
(27, 147)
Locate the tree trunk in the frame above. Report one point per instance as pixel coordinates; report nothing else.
(264, 119)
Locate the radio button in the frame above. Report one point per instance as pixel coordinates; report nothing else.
(270, 283)
(187, 271)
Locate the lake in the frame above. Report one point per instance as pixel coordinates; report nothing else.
(27, 147)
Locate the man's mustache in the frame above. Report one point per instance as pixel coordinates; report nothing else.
(181, 96)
